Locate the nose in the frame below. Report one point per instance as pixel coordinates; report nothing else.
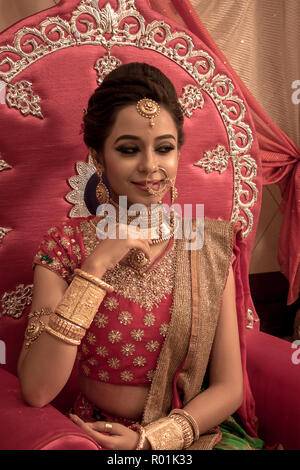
(148, 162)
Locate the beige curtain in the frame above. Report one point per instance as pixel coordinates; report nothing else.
(261, 39)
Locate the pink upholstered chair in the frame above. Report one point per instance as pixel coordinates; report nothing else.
(50, 63)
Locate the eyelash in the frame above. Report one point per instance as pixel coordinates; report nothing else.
(165, 149)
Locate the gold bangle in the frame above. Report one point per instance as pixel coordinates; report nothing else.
(142, 435)
(66, 328)
(187, 430)
(93, 279)
(189, 418)
(62, 337)
(80, 302)
(165, 434)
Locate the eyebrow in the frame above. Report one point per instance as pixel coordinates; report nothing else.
(134, 137)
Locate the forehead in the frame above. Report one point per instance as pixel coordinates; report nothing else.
(129, 121)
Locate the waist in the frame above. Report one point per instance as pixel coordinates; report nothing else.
(119, 400)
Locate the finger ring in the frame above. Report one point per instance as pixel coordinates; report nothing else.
(108, 427)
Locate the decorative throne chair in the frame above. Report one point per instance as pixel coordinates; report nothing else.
(50, 63)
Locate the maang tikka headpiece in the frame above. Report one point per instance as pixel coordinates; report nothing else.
(148, 109)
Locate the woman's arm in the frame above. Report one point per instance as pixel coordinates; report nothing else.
(225, 392)
(45, 367)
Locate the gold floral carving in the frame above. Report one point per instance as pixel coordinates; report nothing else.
(3, 232)
(14, 303)
(4, 165)
(214, 160)
(20, 96)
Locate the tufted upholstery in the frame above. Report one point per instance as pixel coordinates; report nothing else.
(50, 63)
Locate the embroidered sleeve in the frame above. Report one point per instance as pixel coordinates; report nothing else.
(59, 251)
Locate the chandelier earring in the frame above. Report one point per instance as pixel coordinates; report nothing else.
(102, 192)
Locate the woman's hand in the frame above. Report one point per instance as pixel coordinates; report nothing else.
(119, 438)
(111, 250)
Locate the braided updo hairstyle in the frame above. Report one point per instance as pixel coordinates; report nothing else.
(125, 86)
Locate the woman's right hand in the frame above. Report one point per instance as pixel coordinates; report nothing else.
(111, 250)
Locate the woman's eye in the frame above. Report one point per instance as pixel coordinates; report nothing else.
(165, 149)
(127, 150)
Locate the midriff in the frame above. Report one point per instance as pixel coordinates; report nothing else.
(119, 400)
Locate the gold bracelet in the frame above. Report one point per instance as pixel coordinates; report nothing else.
(62, 337)
(35, 325)
(165, 434)
(80, 302)
(142, 435)
(67, 330)
(187, 430)
(189, 418)
(93, 279)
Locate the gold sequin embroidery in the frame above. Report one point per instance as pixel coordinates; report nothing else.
(125, 318)
(139, 361)
(114, 362)
(93, 361)
(68, 230)
(128, 349)
(163, 329)
(51, 244)
(86, 369)
(152, 345)
(111, 303)
(65, 243)
(114, 336)
(101, 320)
(126, 376)
(138, 334)
(103, 375)
(91, 338)
(102, 351)
(150, 375)
(149, 319)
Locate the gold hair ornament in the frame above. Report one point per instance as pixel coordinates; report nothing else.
(148, 109)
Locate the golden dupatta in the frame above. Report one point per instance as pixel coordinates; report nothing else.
(200, 277)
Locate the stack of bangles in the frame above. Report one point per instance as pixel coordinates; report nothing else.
(176, 431)
(80, 303)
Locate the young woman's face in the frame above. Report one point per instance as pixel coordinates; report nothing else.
(133, 150)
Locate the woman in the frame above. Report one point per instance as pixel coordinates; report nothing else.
(150, 323)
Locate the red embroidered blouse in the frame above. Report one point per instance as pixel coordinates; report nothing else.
(123, 343)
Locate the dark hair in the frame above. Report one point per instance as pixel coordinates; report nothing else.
(124, 86)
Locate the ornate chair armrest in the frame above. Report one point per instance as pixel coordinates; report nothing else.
(26, 428)
(273, 367)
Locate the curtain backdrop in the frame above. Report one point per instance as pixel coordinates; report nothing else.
(259, 45)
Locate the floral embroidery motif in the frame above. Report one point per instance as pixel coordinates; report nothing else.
(91, 338)
(139, 361)
(93, 361)
(101, 320)
(102, 351)
(86, 369)
(111, 303)
(14, 303)
(68, 230)
(128, 349)
(51, 244)
(114, 362)
(103, 375)
(163, 329)
(125, 318)
(137, 335)
(51, 230)
(152, 345)
(84, 348)
(150, 375)
(65, 242)
(214, 160)
(127, 376)
(114, 336)
(149, 319)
